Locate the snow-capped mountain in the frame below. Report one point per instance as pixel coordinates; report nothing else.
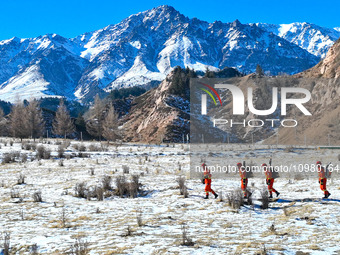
(315, 39)
(141, 50)
(39, 67)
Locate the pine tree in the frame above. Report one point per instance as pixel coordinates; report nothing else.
(110, 125)
(63, 124)
(95, 117)
(259, 70)
(208, 73)
(18, 121)
(34, 119)
(3, 123)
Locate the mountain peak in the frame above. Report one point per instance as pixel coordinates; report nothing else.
(165, 7)
(13, 39)
(236, 23)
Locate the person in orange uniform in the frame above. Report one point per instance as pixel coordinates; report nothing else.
(322, 179)
(269, 180)
(207, 182)
(244, 179)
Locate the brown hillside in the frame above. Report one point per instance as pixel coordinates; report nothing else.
(323, 127)
(329, 67)
(158, 116)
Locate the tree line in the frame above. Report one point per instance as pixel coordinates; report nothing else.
(26, 120)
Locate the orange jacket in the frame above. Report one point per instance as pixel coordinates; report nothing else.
(243, 172)
(321, 172)
(207, 178)
(206, 174)
(268, 172)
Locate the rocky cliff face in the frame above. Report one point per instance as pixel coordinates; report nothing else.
(329, 67)
(159, 115)
(323, 127)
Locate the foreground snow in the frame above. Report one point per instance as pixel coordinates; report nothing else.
(291, 224)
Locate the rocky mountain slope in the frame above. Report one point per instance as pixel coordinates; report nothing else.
(323, 127)
(313, 38)
(143, 48)
(162, 113)
(329, 67)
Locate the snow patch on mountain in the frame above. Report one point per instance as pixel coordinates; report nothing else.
(25, 86)
(315, 39)
(137, 75)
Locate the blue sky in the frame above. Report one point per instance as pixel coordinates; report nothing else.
(69, 18)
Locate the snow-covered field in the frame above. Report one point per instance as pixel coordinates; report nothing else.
(298, 223)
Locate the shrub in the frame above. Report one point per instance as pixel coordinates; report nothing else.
(139, 218)
(10, 157)
(99, 192)
(61, 151)
(264, 199)
(106, 181)
(125, 188)
(34, 249)
(126, 169)
(61, 162)
(182, 187)
(24, 158)
(104, 146)
(7, 158)
(83, 155)
(6, 245)
(80, 190)
(134, 186)
(28, 146)
(43, 153)
(80, 247)
(122, 186)
(65, 144)
(128, 231)
(63, 218)
(40, 152)
(185, 239)
(21, 179)
(135, 180)
(15, 193)
(235, 199)
(37, 197)
(133, 189)
(93, 147)
(47, 154)
(82, 147)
